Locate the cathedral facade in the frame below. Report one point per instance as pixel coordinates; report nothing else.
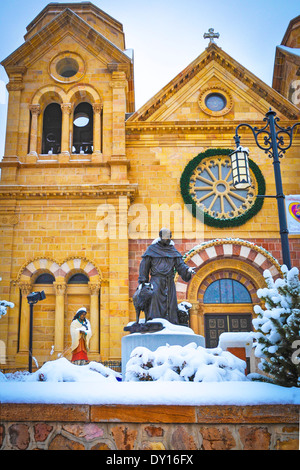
(87, 182)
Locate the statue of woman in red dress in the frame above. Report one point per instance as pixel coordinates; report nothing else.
(80, 334)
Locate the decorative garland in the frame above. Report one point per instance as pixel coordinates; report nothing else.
(208, 219)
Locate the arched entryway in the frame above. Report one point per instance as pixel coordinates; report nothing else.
(224, 289)
(68, 286)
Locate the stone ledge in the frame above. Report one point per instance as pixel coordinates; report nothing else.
(248, 414)
(43, 412)
(18, 412)
(143, 414)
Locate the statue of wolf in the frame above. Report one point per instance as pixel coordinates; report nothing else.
(142, 299)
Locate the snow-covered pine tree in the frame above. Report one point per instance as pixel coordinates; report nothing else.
(278, 329)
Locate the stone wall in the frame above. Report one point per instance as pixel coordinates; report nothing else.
(155, 428)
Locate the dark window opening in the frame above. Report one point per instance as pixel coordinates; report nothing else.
(45, 279)
(226, 291)
(83, 129)
(51, 141)
(67, 67)
(78, 278)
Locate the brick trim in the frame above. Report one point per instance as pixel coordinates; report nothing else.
(63, 269)
(242, 250)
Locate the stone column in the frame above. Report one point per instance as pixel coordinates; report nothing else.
(118, 84)
(25, 317)
(35, 112)
(105, 321)
(97, 136)
(60, 289)
(118, 279)
(118, 161)
(94, 316)
(194, 318)
(14, 87)
(65, 132)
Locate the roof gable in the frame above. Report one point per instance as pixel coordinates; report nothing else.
(101, 21)
(68, 22)
(213, 62)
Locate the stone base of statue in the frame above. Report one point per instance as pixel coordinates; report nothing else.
(151, 338)
(150, 327)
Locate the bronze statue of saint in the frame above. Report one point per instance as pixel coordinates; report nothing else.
(158, 266)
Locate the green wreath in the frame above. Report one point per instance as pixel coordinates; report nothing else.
(208, 219)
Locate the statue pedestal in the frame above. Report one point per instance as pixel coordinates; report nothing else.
(170, 334)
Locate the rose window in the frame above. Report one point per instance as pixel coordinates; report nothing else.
(211, 187)
(207, 186)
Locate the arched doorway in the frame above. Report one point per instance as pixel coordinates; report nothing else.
(68, 285)
(77, 295)
(43, 317)
(227, 306)
(238, 266)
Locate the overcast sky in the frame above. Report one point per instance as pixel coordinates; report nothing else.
(166, 35)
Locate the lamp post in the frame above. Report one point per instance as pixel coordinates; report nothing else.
(32, 299)
(275, 145)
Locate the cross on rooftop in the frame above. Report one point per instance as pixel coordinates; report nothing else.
(211, 35)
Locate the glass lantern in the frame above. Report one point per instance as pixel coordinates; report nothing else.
(240, 168)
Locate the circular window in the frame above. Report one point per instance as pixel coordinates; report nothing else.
(67, 67)
(207, 188)
(215, 101)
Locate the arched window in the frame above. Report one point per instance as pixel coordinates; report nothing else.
(78, 278)
(83, 129)
(51, 140)
(45, 278)
(226, 291)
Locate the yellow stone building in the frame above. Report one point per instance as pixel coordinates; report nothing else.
(81, 163)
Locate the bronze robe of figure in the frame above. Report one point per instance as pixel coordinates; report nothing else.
(159, 261)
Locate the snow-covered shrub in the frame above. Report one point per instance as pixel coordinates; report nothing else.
(184, 363)
(278, 328)
(62, 370)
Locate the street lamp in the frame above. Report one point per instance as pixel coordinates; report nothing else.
(274, 143)
(240, 168)
(32, 299)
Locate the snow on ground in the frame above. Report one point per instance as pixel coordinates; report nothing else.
(148, 393)
(60, 382)
(221, 381)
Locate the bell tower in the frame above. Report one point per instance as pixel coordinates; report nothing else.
(70, 87)
(286, 76)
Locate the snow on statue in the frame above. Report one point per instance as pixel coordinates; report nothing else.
(158, 262)
(278, 329)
